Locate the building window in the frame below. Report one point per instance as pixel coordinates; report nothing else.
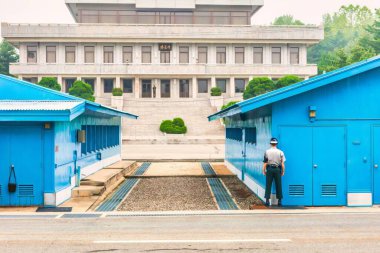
(239, 85)
(30, 79)
(127, 85)
(31, 54)
(51, 56)
(89, 54)
(202, 55)
(183, 54)
(221, 17)
(146, 54)
(222, 84)
(183, 17)
(91, 82)
(108, 85)
(239, 55)
(276, 55)
(258, 55)
(68, 83)
(100, 137)
(202, 86)
(165, 56)
(221, 55)
(240, 18)
(108, 54)
(127, 54)
(294, 55)
(70, 54)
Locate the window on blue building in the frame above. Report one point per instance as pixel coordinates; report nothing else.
(100, 137)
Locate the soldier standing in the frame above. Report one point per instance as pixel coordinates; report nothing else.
(274, 169)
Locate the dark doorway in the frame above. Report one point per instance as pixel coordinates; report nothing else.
(184, 88)
(165, 88)
(146, 86)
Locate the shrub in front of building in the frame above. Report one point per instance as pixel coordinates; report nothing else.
(287, 80)
(231, 103)
(258, 86)
(117, 92)
(83, 90)
(216, 91)
(175, 126)
(50, 82)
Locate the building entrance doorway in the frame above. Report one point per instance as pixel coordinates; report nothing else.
(146, 87)
(184, 88)
(165, 88)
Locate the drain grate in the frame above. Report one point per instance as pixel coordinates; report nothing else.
(112, 202)
(81, 215)
(223, 198)
(208, 170)
(141, 170)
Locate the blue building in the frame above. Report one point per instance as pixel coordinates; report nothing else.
(47, 138)
(328, 127)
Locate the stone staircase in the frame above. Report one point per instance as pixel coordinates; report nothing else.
(152, 112)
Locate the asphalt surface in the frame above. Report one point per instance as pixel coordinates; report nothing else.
(327, 232)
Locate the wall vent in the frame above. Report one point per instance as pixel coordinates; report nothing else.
(296, 190)
(25, 190)
(328, 190)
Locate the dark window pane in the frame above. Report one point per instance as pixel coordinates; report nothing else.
(239, 85)
(127, 85)
(108, 85)
(222, 84)
(202, 86)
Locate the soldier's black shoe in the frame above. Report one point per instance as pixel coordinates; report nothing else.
(279, 202)
(267, 202)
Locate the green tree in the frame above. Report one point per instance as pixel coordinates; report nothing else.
(258, 86)
(287, 20)
(8, 55)
(83, 90)
(343, 29)
(50, 82)
(373, 38)
(287, 80)
(359, 53)
(231, 103)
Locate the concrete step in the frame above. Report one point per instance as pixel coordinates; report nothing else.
(104, 179)
(87, 191)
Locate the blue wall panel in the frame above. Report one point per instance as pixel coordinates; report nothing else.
(65, 142)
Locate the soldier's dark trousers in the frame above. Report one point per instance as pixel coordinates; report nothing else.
(273, 173)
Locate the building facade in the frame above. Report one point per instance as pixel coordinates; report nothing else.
(327, 126)
(161, 49)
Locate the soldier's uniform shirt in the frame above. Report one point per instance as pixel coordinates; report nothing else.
(274, 157)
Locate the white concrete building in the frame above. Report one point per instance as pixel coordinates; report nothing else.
(161, 49)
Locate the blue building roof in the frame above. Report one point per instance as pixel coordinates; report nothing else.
(298, 88)
(24, 101)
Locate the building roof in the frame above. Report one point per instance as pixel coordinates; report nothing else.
(298, 88)
(24, 101)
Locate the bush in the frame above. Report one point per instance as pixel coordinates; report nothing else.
(50, 82)
(229, 104)
(117, 92)
(258, 86)
(216, 91)
(175, 126)
(287, 80)
(83, 90)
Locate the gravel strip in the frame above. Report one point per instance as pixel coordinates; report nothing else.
(243, 196)
(169, 194)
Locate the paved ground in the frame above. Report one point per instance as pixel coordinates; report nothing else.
(168, 151)
(326, 232)
(169, 193)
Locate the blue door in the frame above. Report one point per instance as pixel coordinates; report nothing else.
(296, 142)
(22, 148)
(315, 165)
(329, 169)
(376, 165)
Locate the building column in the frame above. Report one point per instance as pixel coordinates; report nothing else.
(232, 87)
(60, 81)
(136, 89)
(213, 81)
(194, 87)
(157, 83)
(117, 82)
(98, 86)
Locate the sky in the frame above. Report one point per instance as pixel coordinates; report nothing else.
(55, 11)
